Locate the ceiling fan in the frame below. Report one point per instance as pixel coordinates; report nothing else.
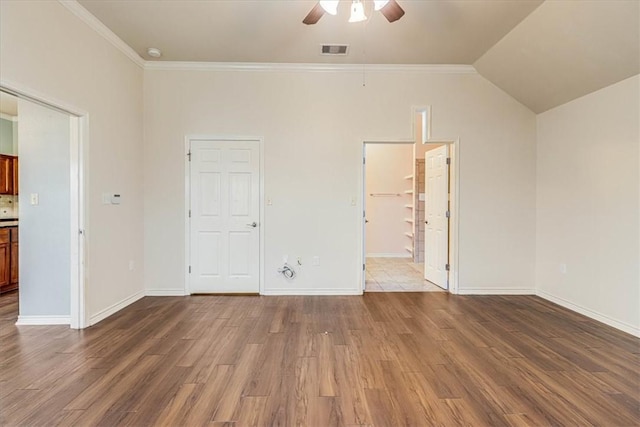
(389, 8)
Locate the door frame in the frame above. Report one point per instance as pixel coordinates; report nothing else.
(187, 202)
(454, 203)
(363, 187)
(79, 160)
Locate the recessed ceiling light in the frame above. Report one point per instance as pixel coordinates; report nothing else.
(154, 53)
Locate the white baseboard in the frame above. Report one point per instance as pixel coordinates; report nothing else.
(114, 308)
(43, 320)
(496, 291)
(301, 292)
(176, 292)
(400, 255)
(625, 327)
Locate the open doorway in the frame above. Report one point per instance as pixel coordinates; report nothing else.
(9, 194)
(391, 238)
(41, 180)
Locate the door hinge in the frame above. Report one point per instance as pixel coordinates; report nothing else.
(447, 214)
(363, 267)
(448, 160)
(447, 267)
(364, 160)
(189, 213)
(190, 269)
(189, 155)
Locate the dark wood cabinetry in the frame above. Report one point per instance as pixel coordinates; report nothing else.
(14, 276)
(5, 259)
(8, 174)
(9, 277)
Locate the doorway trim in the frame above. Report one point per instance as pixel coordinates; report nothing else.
(363, 204)
(79, 138)
(454, 176)
(187, 202)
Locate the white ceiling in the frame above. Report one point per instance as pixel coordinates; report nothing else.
(564, 50)
(431, 32)
(543, 54)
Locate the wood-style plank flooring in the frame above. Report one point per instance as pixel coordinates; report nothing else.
(384, 359)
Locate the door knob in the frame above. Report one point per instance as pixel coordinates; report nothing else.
(426, 222)
(253, 224)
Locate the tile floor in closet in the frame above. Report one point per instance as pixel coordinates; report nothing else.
(396, 275)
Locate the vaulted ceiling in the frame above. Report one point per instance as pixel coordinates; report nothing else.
(542, 53)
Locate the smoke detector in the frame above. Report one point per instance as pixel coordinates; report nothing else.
(154, 52)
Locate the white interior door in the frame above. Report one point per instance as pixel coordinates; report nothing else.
(436, 239)
(225, 215)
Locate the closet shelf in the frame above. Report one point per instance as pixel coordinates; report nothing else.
(408, 206)
(408, 177)
(408, 191)
(408, 234)
(409, 220)
(408, 249)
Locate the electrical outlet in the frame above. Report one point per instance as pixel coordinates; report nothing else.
(132, 265)
(563, 268)
(35, 199)
(315, 260)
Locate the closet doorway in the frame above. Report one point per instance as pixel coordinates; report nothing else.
(392, 243)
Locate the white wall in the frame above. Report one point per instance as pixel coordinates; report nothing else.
(313, 124)
(45, 244)
(588, 205)
(45, 48)
(385, 171)
(8, 132)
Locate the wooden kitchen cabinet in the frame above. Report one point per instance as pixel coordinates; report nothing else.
(14, 275)
(14, 165)
(8, 174)
(5, 259)
(9, 277)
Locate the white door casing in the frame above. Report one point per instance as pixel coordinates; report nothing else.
(225, 216)
(436, 239)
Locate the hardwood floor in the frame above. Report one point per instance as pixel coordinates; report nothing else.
(384, 359)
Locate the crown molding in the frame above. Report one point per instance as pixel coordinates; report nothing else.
(94, 23)
(353, 68)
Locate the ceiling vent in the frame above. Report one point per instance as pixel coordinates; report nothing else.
(334, 49)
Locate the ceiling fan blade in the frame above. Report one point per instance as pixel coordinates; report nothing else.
(392, 11)
(314, 15)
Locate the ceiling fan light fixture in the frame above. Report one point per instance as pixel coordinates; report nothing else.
(379, 4)
(330, 6)
(357, 12)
